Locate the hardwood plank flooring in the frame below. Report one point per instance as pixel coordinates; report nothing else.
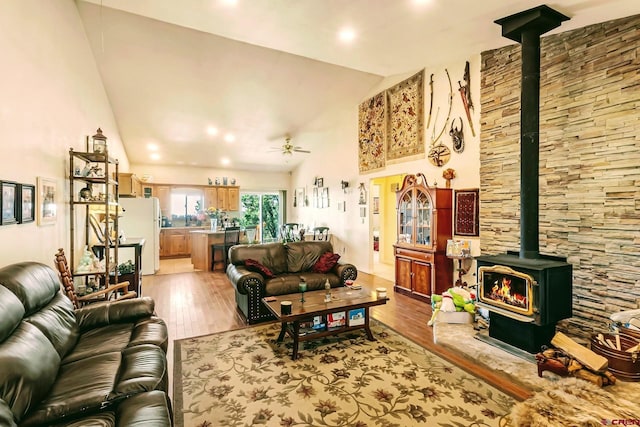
(199, 303)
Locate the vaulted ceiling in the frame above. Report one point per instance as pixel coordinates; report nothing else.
(262, 69)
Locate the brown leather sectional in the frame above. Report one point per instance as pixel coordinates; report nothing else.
(104, 364)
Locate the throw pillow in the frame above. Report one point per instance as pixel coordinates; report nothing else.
(325, 263)
(255, 266)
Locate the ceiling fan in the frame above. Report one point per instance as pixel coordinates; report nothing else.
(288, 148)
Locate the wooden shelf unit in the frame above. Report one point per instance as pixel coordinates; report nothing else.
(424, 226)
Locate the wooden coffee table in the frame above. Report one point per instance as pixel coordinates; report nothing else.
(343, 299)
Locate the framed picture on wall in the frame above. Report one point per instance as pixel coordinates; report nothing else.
(9, 203)
(27, 209)
(46, 201)
(376, 205)
(466, 212)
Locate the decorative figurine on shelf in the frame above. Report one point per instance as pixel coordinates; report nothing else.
(87, 263)
(99, 142)
(85, 194)
(217, 180)
(210, 182)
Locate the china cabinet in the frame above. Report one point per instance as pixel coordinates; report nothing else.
(424, 226)
(93, 204)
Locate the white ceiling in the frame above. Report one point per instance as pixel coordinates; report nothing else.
(264, 68)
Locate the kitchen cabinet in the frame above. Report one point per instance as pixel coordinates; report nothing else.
(233, 200)
(163, 192)
(130, 185)
(424, 226)
(175, 242)
(210, 197)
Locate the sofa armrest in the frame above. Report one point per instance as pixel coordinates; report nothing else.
(345, 272)
(105, 313)
(241, 279)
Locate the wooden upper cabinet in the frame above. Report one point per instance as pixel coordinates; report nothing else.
(129, 185)
(210, 197)
(163, 192)
(233, 201)
(223, 197)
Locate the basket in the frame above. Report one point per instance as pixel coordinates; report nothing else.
(624, 365)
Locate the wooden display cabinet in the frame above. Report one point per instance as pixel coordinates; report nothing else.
(424, 226)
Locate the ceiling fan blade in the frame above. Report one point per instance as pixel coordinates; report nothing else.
(297, 150)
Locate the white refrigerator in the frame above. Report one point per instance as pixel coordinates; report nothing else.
(141, 218)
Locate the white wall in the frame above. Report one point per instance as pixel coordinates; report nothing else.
(338, 160)
(248, 181)
(52, 97)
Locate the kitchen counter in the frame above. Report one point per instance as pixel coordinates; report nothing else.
(201, 247)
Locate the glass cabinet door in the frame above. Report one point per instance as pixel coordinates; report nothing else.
(405, 219)
(423, 218)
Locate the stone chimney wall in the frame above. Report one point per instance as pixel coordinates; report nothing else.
(589, 162)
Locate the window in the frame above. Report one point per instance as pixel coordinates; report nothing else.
(184, 203)
(263, 209)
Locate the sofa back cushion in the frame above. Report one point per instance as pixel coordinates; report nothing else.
(32, 346)
(302, 256)
(271, 255)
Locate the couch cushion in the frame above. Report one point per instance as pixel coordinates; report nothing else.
(143, 368)
(288, 283)
(58, 323)
(325, 263)
(145, 409)
(106, 339)
(34, 284)
(101, 419)
(152, 330)
(271, 255)
(12, 312)
(255, 266)
(28, 368)
(81, 386)
(301, 256)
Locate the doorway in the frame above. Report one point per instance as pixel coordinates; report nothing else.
(262, 209)
(384, 224)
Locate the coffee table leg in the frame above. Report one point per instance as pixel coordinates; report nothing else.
(296, 335)
(283, 331)
(366, 324)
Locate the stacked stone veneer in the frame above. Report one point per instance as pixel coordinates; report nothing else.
(589, 162)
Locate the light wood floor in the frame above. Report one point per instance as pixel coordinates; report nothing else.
(195, 303)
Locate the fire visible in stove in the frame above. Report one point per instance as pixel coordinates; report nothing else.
(504, 287)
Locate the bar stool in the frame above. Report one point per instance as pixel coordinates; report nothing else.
(231, 238)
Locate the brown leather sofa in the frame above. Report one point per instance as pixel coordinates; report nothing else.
(102, 365)
(289, 262)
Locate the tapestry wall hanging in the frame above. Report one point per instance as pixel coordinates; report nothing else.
(405, 126)
(371, 134)
(467, 212)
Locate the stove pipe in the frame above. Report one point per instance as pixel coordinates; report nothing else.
(526, 28)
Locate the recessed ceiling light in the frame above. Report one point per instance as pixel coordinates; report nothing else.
(213, 131)
(229, 2)
(229, 137)
(193, 163)
(347, 34)
(180, 162)
(152, 147)
(155, 156)
(225, 161)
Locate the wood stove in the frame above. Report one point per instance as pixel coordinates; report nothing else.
(527, 293)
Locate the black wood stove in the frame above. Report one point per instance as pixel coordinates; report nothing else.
(527, 293)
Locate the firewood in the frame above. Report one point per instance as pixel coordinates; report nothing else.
(610, 377)
(618, 342)
(589, 376)
(574, 365)
(588, 358)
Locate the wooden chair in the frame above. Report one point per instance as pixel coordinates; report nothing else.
(321, 233)
(119, 291)
(289, 232)
(231, 238)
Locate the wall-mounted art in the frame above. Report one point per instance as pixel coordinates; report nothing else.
(372, 134)
(9, 202)
(27, 211)
(405, 124)
(46, 201)
(467, 212)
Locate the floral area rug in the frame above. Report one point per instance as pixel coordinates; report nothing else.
(244, 377)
